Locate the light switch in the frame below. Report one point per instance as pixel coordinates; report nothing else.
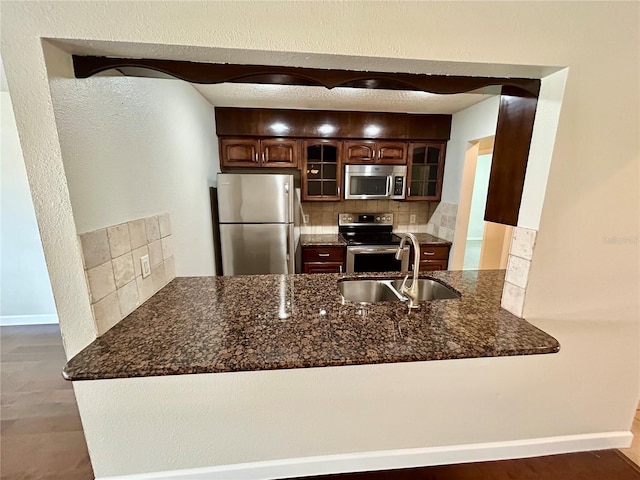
(146, 266)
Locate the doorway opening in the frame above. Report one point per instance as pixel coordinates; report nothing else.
(482, 245)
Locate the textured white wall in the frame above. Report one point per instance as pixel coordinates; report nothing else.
(541, 149)
(593, 175)
(25, 289)
(134, 147)
(479, 199)
(473, 123)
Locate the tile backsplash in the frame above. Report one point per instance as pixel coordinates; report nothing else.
(113, 271)
(520, 254)
(442, 222)
(323, 216)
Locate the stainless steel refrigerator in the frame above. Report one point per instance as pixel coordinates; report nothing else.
(258, 223)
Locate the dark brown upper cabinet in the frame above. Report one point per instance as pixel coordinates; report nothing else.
(239, 152)
(425, 170)
(255, 153)
(518, 105)
(368, 151)
(321, 170)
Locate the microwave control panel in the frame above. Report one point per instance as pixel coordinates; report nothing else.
(398, 186)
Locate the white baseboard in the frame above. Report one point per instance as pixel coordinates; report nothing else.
(7, 320)
(394, 459)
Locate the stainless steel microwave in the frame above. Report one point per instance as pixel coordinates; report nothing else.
(369, 182)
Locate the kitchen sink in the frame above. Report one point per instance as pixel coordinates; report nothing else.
(367, 291)
(387, 290)
(429, 290)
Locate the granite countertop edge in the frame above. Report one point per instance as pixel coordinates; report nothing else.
(334, 239)
(176, 332)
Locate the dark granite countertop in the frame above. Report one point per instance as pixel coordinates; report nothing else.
(321, 240)
(424, 238)
(265, 322)
(328, 239)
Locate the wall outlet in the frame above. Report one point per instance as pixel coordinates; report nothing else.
(145, 265)
(412, 218)
(305, 218)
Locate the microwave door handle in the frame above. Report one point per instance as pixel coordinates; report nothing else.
(389, 183)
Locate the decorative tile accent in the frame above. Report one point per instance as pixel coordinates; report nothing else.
(520, 254)
(159, 276)
(128, 298)
(442, 221)
(123, 270)
(119, 240)
(518, 271)
(137, 254)
(323, 217)
(107, 312)
(170, 268)
(101, 281)
(513, 299)
(95, 248)
(153, 229)
(155, 253)
(522, 242)
(113, 271)
(145, 288)
(167, 247)
(137, 234)
(165, 225)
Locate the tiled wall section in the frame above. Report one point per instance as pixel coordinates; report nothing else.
(323, 216)
(520, 254)
(113, 269)
(442, 223)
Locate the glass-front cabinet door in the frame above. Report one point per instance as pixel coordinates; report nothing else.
(321, 171)
(426, 167)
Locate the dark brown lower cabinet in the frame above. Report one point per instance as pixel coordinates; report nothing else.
(433, 257)
(319, 259)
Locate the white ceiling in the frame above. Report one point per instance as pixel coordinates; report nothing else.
(320, 98)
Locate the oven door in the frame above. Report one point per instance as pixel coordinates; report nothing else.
(376, 258)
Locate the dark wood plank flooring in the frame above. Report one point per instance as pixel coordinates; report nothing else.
(40, 425)
(42, 435)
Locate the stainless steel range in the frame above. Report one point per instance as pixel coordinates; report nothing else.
(371, 243)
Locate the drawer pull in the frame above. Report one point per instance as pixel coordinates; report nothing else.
(323, 254)
(429, 253)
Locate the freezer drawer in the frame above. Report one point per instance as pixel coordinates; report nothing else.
(249, 249)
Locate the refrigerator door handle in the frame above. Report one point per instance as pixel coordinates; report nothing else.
(287, 201)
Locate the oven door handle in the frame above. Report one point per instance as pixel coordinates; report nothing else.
(371, 250)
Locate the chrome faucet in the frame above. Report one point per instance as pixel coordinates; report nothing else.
(410, 292)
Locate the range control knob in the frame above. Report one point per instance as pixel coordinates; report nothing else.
(349, 219)
(378, 218)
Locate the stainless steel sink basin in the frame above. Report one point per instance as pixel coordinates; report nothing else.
(429, 290)
(367, 291)
(387, 290)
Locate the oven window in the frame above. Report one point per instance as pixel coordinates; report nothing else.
(376, 262)
(360, 185)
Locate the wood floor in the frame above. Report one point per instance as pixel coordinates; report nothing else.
(42, 439)
(40, 425)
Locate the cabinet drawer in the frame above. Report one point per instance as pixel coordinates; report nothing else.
(431, 265)
(323, 254)
(434, 252)
(328, 267)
